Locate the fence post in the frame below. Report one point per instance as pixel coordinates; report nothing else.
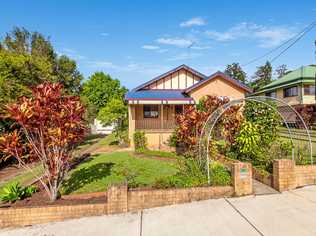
(242, 178)
(117, 199)
(284, 175)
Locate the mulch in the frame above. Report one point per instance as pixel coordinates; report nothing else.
(40, 198)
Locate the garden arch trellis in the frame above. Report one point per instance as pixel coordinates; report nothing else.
(297, 131)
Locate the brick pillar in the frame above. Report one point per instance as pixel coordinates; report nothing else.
(117, 199)
(284, 175)
(242, 178)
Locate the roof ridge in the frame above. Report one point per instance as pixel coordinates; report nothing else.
(170, 72)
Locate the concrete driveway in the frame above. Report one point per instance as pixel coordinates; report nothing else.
(289, 213)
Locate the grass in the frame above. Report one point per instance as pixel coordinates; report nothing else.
(156, 153)
(103, 170)
(109, 140)
(24, 178)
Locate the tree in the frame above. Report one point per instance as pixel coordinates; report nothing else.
(235, 71)
(281, 71)
(191, 122)
(115, 112)
(100, 88)
(263, 76)
(51, 123)
(28, 59)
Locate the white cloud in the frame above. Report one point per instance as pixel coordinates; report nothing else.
(178, 42)
(184, 56)
(141, 68)
(104, 34)
(220, 36)
(102, 64)
(273, 37)
(196, 21)
(267, 36)
(197, 47)
(150, 47)
(71, 53)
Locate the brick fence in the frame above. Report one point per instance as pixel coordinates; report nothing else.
(287, 175)
(119, 199)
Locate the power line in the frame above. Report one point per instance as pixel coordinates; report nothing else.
(295, 41)
(307, 28)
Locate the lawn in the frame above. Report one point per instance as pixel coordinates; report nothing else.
(97, 173)
(24, 178)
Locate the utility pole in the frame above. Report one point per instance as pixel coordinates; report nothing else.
(315, 73)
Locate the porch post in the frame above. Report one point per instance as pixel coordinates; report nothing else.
(131, 123)
(161, 119)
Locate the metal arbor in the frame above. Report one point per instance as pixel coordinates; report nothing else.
(294, 128)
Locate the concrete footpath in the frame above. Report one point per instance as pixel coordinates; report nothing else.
(289, 213)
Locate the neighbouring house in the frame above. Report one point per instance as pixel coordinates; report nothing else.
(153, 105)
(296, 88)
(98, 128)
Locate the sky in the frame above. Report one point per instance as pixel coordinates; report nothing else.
(135, 41)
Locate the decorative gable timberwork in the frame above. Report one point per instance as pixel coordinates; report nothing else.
(180, 79)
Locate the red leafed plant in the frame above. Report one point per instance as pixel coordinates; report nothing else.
(191, 122)
(51, 123)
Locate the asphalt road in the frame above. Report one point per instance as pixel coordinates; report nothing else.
(289, 213)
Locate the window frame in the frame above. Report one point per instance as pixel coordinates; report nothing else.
(269, 94)
(309, 86)
(290, 88)
(148, 111)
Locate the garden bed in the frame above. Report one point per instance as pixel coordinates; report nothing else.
(40, 199)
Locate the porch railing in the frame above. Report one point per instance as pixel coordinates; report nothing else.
(155, 124)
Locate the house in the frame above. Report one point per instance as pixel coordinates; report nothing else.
(98, 128)
(296, 88)
(153, 105)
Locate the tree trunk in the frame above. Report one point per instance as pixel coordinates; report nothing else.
(54, 191)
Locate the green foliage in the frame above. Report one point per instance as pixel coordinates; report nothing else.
(173, 140)
(15, 192)
(106, 169)
(266, 119)
(262, 77)
(235, 71)
(248, 139)
(115, 112)
(157, 153)
(258, 140)
(100, 89)
(28, 59)
(140, 141)
(219, 175)
(191, 175)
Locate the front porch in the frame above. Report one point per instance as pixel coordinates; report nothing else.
(156, 120)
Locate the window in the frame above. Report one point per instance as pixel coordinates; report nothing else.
(179, 109)
(309, 90)
(151, 111)
(290, 92)
(271, 94)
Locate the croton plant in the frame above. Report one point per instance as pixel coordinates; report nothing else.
(49, 123)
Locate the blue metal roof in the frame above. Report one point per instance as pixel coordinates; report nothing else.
(156, 94)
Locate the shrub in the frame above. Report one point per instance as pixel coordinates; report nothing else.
(140, 141)
(52, 123)
(173, 140)
(15, 192)
(219, 175)
(190, 175)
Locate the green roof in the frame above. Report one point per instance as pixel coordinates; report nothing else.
(301, 75)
